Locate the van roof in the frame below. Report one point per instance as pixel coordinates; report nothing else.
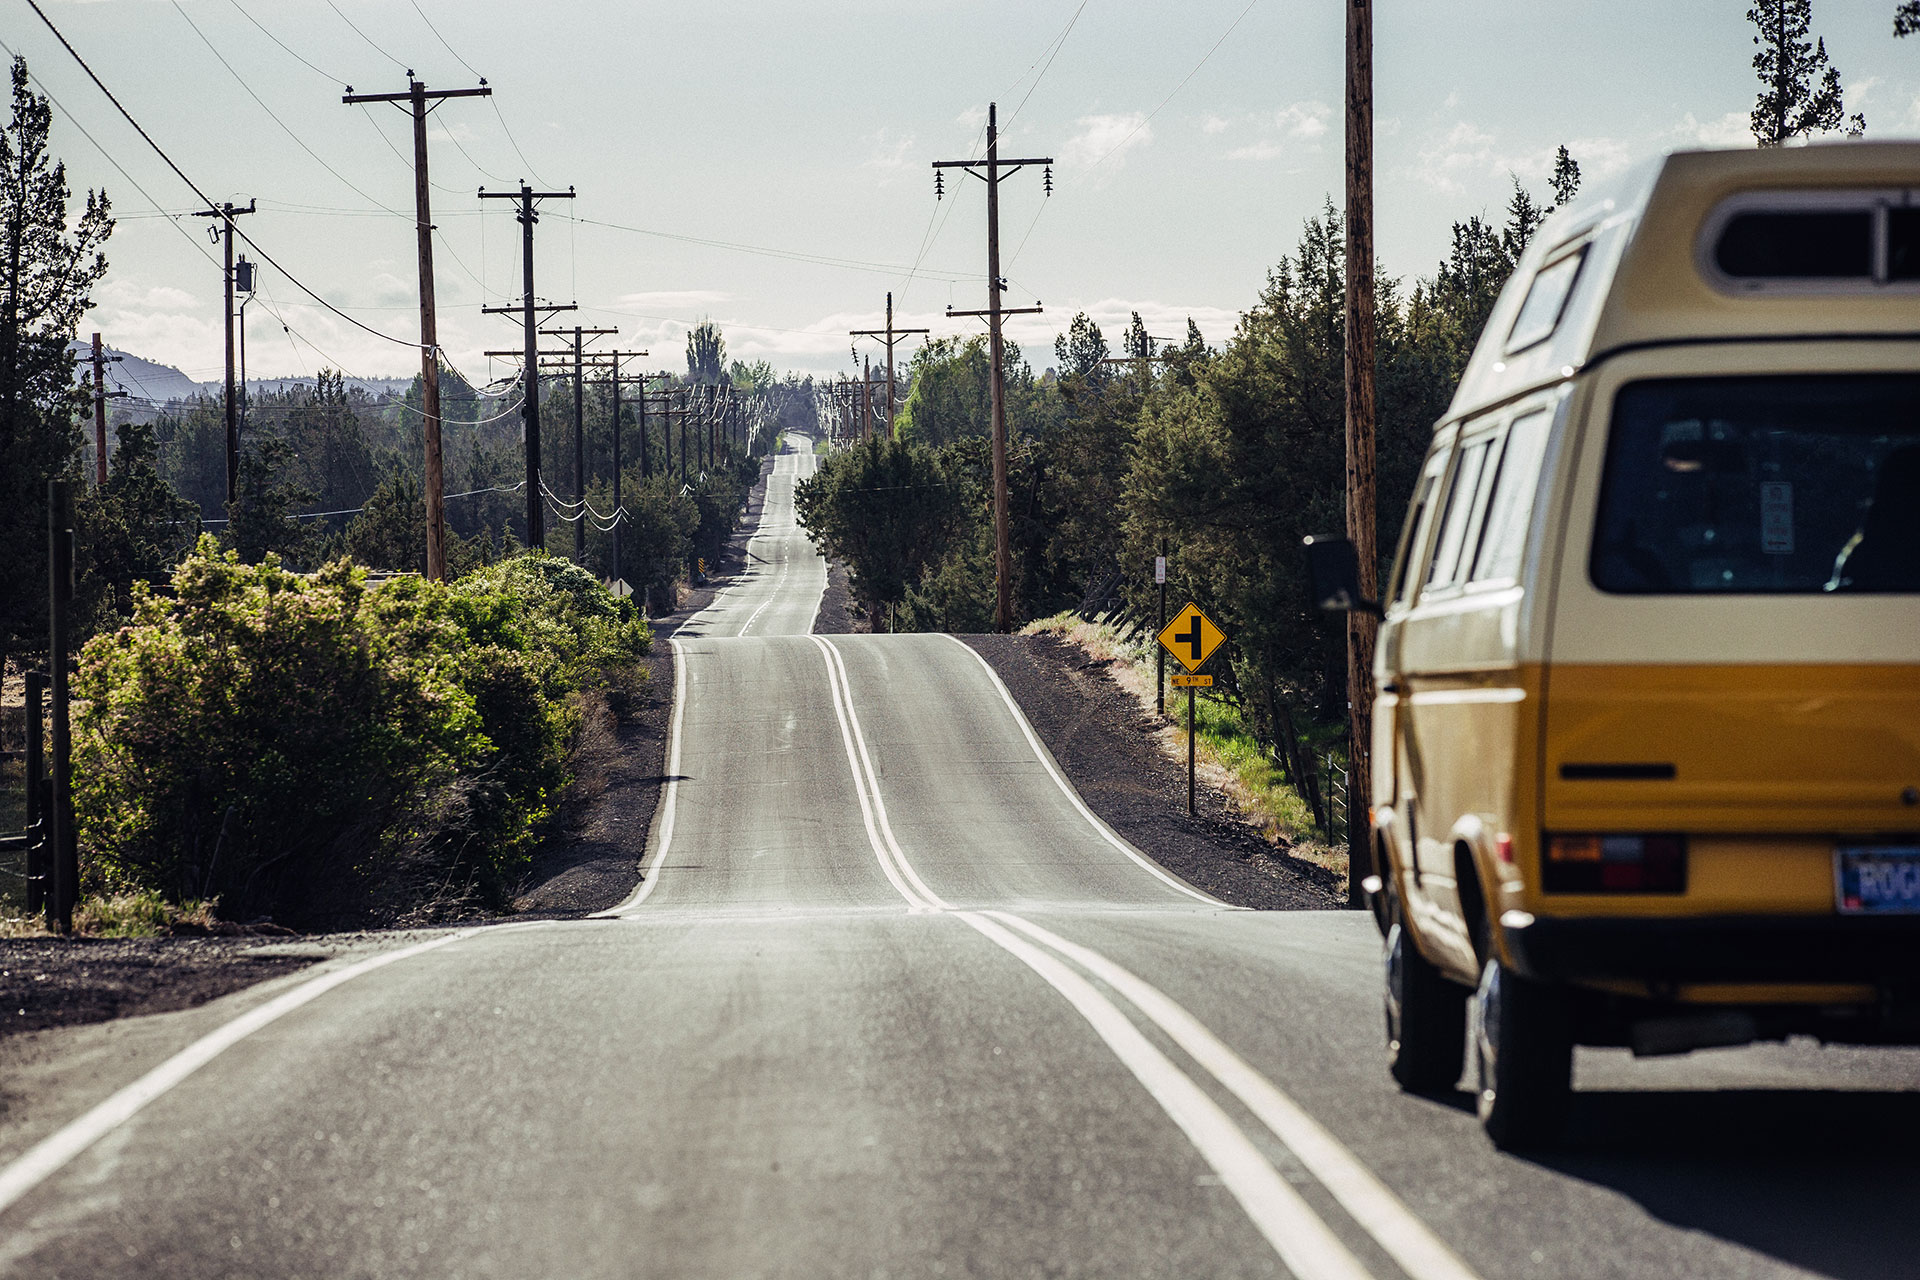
(1642, 280)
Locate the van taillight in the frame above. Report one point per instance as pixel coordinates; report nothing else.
(1615, 864)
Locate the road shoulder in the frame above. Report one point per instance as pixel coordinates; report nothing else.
(1105, 747)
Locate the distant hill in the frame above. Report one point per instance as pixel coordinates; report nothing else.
(149, 385)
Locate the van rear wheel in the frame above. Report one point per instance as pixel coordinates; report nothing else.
(1523, 1058)
(1426, 1018)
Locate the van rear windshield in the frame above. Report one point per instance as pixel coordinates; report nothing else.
(1762, 484)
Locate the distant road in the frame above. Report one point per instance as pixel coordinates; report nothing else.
(890, 1003)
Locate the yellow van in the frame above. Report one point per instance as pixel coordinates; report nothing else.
(1647, 738)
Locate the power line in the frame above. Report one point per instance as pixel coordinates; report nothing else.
(515, 142)
(371, 43)
(193, 186)
(443, 44)
(791, 255)
(1177, 88)
(294, 53)
(288, 129)
(1059, 42)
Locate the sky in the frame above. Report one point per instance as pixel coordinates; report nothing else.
(765, 164)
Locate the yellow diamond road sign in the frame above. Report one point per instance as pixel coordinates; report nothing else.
(1191, 637)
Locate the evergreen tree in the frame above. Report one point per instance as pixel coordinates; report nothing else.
(1566, 176)
(1906, 19)
(1799, 90)
(133, 529)
(706, 354)
(47, 272)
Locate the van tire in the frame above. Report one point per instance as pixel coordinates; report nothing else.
(1426, 1018)
(1522, 1058)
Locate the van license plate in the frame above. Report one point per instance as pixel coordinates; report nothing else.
(1877, 879)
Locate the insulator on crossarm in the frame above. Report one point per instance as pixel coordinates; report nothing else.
(1048, 178)
(939, 185)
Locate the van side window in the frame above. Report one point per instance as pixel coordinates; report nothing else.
(1419, 519)
(1464, 499)
(1546, 302)
(1504, 540)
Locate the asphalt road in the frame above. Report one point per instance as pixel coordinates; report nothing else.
(890, 1003)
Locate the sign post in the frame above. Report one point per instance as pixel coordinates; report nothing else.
(1191, 638)
(1159, 622)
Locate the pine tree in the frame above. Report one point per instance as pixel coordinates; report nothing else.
(1566, 176)
(1800, 92)
(1906, 19)
(47, 272)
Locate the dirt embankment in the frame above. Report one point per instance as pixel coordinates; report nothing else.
(1107, 747)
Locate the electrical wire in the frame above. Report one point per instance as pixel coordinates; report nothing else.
(285, 46)
(1177, 88)
(443, 44)
(515, 142)
(1059, 42)
(371, 43)
(195, 188)
(790, 255)
(285, 127)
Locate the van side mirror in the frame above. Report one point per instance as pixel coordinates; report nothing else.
(1333, 576)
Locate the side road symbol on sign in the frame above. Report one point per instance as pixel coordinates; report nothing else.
(1191, 637)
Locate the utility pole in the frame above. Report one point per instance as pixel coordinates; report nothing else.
(889, 335)
(100, 397)
(580, 333)
(996, 285)
(614, 358)
(416, 98)
(227, 213)
(866, 402)
(530, 403)
(1361, 514)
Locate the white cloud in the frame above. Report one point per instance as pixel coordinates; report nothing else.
(1263, 150)
(972, 120)
(1733, 129)
(1102, 135)
(671, 298)
(1600, 158)
(1305, 120)
(1215, 124)
(888, 151)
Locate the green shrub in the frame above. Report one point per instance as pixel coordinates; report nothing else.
(294, 744)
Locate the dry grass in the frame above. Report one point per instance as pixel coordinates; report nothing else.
(1226, 756)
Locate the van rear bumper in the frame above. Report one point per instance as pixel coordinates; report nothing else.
(1849, 949)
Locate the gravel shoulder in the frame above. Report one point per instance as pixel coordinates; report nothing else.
(1105, 746)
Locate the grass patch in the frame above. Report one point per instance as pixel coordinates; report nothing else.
(139, 913)
(1228, 756)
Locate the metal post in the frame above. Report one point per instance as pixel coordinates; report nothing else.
(1190, 751)
(37, 852)
(64, 848)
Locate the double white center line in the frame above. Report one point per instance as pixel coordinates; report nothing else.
(1302, 1239)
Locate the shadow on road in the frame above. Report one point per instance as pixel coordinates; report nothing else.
(1827, 1181)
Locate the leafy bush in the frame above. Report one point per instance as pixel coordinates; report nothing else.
(292, 744)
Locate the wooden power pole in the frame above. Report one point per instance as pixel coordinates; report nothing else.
(227, 213)
(889, 335)
(996, 285)
(1361, 504)
(416, 97)
(530, 402)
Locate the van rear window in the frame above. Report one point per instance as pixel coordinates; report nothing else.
(1762, 485)
(1800, 245)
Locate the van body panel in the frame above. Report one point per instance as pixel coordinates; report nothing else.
(1783, 748)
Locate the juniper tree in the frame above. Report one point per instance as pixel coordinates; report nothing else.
(47, 272)
(1799, 89)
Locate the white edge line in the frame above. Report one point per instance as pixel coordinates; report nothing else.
(914, 901)
(53, 1152)
(1382, 1214)
(873, 780)
(1106, 832)
(1304, 1242)
(669, 801)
